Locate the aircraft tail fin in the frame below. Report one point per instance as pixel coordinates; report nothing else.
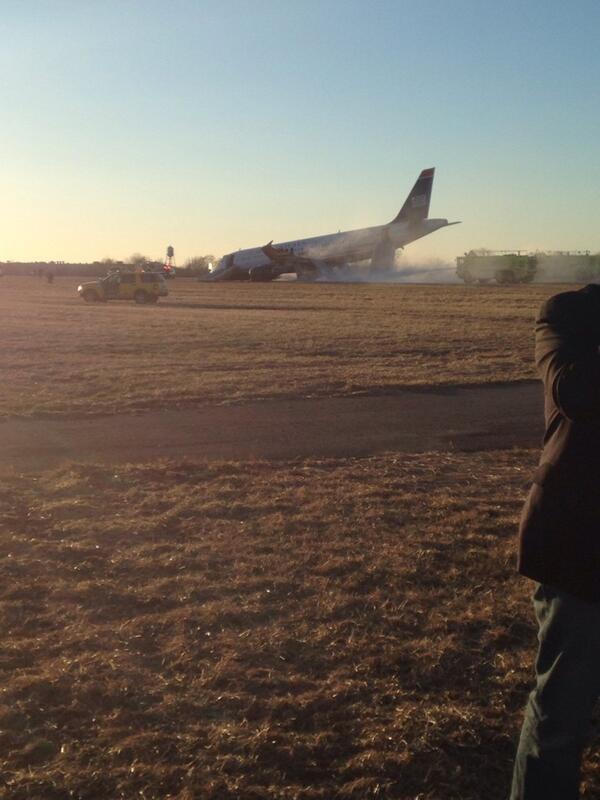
(416, 205)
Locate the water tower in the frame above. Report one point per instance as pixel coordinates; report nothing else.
(170, 262)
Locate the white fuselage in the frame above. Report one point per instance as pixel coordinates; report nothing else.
(343, 247)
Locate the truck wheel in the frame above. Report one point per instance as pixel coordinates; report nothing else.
(140, 296)
(152, 298)
(505, 276)
(90, 296)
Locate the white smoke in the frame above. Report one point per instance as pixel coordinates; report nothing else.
(429, 271)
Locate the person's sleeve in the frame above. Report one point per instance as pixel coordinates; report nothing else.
(567, 357)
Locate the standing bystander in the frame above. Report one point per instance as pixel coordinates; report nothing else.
(560, 550)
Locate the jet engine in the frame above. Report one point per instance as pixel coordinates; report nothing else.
(263, 273)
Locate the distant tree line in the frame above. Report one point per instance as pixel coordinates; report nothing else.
(42, 268)
(199, 265)
(193, 267)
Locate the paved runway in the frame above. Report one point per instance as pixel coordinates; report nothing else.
(466, 418)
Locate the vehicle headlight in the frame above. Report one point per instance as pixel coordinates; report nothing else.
(79, 288)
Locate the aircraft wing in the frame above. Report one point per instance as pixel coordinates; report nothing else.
(277, 254)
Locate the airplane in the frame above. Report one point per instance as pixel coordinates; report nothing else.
(322, 257)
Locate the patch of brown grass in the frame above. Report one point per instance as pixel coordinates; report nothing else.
(333, 629)
(209, 343)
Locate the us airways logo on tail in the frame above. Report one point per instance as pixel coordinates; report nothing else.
(416, 206)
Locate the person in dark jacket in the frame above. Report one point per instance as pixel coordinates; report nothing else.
(559, 548)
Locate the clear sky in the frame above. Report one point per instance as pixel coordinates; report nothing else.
(132, 124)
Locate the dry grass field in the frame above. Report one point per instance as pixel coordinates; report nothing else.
(341, 629)
(338, 629)
(210, 343)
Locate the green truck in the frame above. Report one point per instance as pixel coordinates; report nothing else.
(502, 267)
(506, 267)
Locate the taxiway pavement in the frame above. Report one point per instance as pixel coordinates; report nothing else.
(462, 418)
